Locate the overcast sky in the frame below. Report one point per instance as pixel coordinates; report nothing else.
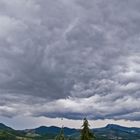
(69, 59)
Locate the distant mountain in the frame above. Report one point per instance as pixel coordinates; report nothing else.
(6, 133)
(118, 128)
(110, 132)
(122, 128)
(51, 130)
(4, 127)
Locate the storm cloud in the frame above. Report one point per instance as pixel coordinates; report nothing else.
(70, 58)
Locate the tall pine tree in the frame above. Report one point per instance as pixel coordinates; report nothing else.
(60, 136)
(86, 134)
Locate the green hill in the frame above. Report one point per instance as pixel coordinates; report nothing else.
(110, 132)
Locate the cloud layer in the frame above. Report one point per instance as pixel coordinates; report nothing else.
(70, 59)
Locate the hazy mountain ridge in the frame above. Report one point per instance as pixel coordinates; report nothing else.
(52, 129)
(109, 132)
(4, 127)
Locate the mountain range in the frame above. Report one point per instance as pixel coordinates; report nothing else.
(109, 132)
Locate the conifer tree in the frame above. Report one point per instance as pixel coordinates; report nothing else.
(61, 135)
(86, 134)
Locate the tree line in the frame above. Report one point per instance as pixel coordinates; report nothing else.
(86, 133)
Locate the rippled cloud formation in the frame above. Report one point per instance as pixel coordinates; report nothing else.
(70, 58)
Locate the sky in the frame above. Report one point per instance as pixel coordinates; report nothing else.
(69, 59)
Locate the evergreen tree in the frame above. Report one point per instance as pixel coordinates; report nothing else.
(86, 134)
(61, 135)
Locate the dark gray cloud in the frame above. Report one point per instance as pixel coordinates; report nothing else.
(70, 58)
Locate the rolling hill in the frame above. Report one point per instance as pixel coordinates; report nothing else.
(110, 132)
